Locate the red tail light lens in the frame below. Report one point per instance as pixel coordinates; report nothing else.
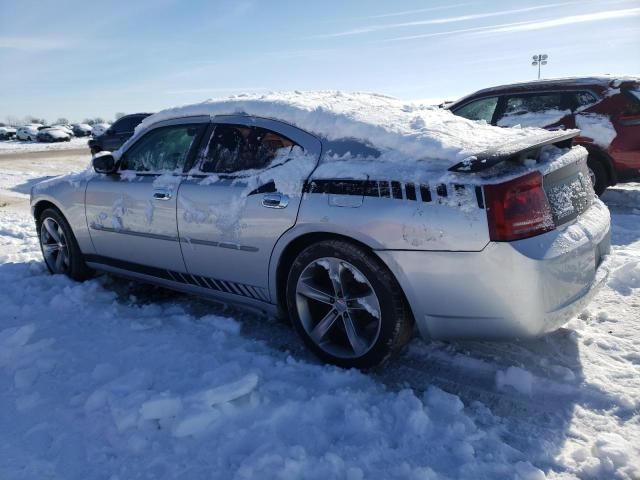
(518, 208)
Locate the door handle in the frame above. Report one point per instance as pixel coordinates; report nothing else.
(161, 195)
(275, 200)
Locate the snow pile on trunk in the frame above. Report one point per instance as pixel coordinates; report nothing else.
(405, 131)
(596, 127)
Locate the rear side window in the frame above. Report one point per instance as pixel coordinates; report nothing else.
(350, 146)
(633, 101)
(235, 148)
(582, 99)
(482, 109)
(162, 149)
(537, 103)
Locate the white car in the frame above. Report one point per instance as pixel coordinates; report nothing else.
(7, 133)
(99, 129)
(53, 134)
(28, 132)
(65, 128)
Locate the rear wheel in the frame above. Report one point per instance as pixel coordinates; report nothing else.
(597, 174)
(59, 246)
(346, 306)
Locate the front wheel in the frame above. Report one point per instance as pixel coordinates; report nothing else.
(59, 247)
(346, 305)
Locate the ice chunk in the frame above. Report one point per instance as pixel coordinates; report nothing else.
(517, 378)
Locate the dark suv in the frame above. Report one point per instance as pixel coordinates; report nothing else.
(606, 110)
(117, 134)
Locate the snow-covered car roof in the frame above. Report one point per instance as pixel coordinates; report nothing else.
(402, 130)
(55, 132)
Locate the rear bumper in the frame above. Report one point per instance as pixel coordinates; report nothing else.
(508, 290)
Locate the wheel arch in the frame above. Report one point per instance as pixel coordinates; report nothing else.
(41, 205)
(603, 157)
(286, 252)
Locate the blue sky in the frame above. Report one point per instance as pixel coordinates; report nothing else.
(83, 59)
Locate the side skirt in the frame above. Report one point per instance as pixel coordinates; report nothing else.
(224, 291)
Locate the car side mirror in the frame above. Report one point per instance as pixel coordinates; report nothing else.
(104, 163)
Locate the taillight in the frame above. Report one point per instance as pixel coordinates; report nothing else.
(518, 208)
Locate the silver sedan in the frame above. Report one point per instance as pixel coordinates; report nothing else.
(235, 208)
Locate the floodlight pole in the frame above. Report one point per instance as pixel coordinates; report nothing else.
(539, 60)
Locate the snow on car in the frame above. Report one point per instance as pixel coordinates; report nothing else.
(28, 132)
(53, 134)
(99, 128)
(112, 379)
(357, 215)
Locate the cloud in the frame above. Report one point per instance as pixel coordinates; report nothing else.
(439, 21)
(419, 10)
(562, 21)
(32, 44)
(525, 26)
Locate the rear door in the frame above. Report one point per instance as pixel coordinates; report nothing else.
(242, 195)
(132, 214)
(550, 110)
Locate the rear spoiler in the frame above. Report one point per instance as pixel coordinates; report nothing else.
(515, 151)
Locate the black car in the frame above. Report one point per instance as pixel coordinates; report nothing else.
(117, 134)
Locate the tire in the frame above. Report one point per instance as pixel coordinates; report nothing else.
(599, 173)
(51, 224)
(360, 326)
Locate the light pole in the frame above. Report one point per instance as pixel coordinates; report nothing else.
(539, 60)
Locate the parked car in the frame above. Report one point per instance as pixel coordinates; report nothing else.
(81, 129)
(606, 110)
(99, 129)
(7, 133)
(28, 132)
(117, 134)
(52, 134)
(355, 239)
(65, 128)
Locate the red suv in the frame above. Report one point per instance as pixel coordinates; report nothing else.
(605, 109)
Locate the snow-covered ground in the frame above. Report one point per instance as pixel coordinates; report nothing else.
(115, 380)
(15, 146)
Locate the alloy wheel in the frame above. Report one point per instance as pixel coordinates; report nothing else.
(54, 246)
(338, 308)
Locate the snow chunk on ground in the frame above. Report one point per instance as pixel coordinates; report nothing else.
(515, 377)
(597, 127)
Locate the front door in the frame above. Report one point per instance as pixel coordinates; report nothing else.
(243, 194)
(132, 214)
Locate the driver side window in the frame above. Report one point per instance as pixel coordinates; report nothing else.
(162, 149)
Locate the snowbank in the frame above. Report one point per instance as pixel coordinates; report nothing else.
(402, 131)
(17, 146)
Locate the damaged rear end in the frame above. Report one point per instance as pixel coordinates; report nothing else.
(549, 235)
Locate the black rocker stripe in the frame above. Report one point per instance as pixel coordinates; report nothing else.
(224, 286)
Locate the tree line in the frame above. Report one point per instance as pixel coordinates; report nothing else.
(27, 119)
